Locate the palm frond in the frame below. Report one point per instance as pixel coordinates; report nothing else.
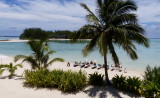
(126, 6)
(87, 32)
(113, 53)
(91, 17)
(34, 64)
(90, 46)
(19, 65)
(131, 52)
(1, 71)
(18, 57)
(54, 60)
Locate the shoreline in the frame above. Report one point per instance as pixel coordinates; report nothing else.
(89, 70)
(52, 39)
(16, 89)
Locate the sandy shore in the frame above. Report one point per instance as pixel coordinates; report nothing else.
(13, 88)
(19, 40)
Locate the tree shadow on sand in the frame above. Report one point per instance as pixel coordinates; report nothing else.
(102, 92)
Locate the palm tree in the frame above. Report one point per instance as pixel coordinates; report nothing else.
(12, 68)
(113, 24)
(40, 57)
(2, 69)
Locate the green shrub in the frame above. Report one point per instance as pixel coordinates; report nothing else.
(150, 89)
(56, 77)
(96, 79)
(133, 84)
(152, 74)
(151, 85)
(119, 82)
(72, 81)
(66, 81)
(37, 78)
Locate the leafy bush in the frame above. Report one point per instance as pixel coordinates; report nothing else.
(150, 89)
(96, 79)
(72, 81)
(66, 81)
(37, 78)
(152, 74)
(119, 82)
(151, 85)
(133, 84)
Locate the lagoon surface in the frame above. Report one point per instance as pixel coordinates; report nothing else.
(73, 52)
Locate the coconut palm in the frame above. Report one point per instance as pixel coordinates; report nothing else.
(12, 68)
(113, 24)
(2, 69)
(40, 57)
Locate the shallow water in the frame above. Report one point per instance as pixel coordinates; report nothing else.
(73, 52)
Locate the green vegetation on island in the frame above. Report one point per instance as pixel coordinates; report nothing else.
(35, 33)
(38, 33)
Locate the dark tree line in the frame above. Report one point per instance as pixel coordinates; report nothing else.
(38, 33)
(35, 33)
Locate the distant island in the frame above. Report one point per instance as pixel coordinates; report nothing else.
(38, 33)
(9, 36)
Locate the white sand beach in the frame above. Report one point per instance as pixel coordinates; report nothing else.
(20, 40)
(13, 88)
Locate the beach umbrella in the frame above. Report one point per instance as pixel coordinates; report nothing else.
(3, 57)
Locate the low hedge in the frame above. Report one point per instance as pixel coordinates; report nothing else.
(66, 81)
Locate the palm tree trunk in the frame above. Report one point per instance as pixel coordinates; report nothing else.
(106, 70)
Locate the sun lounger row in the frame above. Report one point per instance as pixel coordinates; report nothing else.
(93, 65)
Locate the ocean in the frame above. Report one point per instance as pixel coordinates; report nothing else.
(73, 52)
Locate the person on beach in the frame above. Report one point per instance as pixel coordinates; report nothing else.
(125, 70)
(68, 64)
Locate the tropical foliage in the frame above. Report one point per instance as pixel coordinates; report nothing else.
(40, 56)
(1, 69)
(151, 85)
(66, 81)
(133, 84)
(96, 79)
(130, 84)
(12, 68)
(35, 33)
(119, 82)
(113, 24)
(62, 34)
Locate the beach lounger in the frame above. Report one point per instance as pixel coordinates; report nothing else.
(83, 64)
(75, 64)
(87, 65)
(99, 66)
(120, 69)
(116, 67)
(94, 66)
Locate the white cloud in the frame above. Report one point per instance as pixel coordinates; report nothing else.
(50, 15)
(53, 14)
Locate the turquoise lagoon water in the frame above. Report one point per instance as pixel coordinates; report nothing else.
(73, 52)
(6, 38)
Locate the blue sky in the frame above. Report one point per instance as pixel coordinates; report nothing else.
(16, 15)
